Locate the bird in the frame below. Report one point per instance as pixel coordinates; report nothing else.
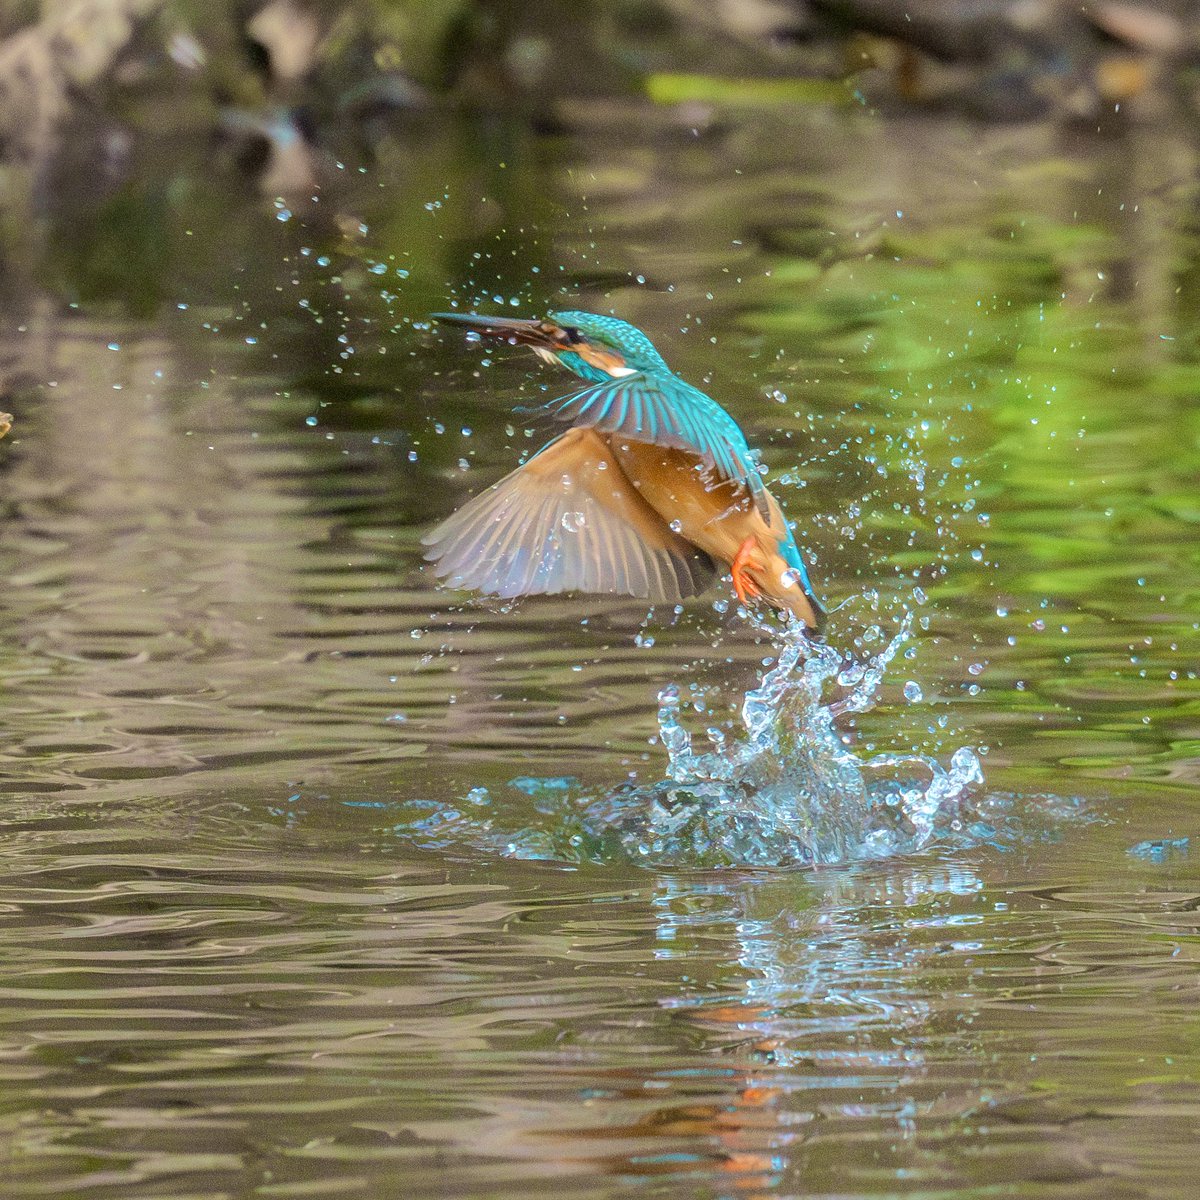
(650, 489)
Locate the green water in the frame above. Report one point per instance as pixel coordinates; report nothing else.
(234, 963)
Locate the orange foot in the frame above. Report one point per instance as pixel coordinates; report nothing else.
(742, 583)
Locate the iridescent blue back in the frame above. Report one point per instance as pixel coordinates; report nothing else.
(654, 404)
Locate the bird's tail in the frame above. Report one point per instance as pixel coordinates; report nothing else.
(795, 560)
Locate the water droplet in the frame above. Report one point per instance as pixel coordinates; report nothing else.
(573, 522)
(912, 692)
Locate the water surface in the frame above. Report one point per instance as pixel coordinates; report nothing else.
(287, 906)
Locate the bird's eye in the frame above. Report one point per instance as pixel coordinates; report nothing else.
(574, 337)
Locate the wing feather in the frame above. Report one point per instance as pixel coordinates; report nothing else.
(667, 412)
(569, 520)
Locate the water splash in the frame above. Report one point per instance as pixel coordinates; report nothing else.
(791, 786)
(785, 789)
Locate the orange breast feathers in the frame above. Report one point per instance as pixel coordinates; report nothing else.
(717, 515)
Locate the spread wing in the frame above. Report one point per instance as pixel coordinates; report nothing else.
(667, 412)
(569, 520)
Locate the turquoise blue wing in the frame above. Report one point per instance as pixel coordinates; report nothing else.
(667, 412)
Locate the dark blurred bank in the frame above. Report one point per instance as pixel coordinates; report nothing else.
(284, 80)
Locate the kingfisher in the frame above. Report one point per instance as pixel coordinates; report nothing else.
(648, 492)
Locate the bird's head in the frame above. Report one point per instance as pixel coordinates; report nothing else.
(594, 346)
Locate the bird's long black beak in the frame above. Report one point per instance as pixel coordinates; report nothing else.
(518, 331)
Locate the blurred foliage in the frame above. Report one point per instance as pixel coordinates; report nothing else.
(664, 88)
